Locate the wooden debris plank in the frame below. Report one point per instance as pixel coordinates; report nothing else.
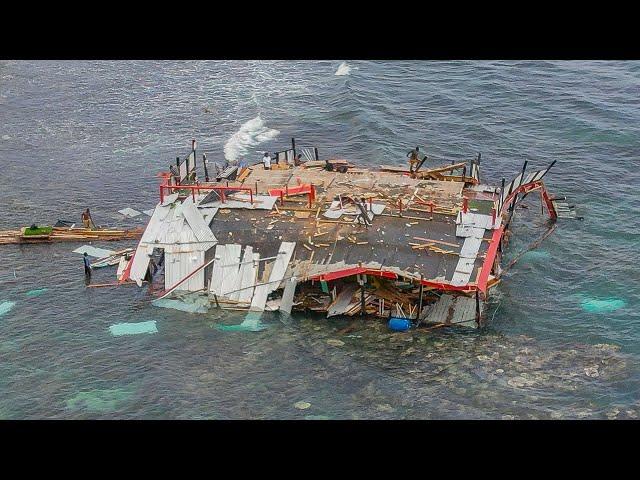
(436, 241)
(439, 312)
(343, 300)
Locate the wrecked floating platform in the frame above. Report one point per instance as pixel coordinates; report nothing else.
(65, 234)
(330, 236)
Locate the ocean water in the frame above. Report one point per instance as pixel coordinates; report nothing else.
(563, 339)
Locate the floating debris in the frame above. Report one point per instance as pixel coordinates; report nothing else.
(607, 305)
(6, 307)
(302, 405)
(180, 305)
(94, 251)
(36, 293)
(133, 328)
(129, 212)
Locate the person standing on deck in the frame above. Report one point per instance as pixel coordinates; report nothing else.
(87, 266)
(87, 221)
(414, 158)
(266, 161)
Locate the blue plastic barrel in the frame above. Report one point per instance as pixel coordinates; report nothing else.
(399, 324)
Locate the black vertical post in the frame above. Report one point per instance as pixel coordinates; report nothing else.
(206, 171)
(524, 167)
(362, 308)
(316, 150)
(178, 167)
(479, 155)
(464, 172)
(293, 146)
(477, 308)
(193, 149)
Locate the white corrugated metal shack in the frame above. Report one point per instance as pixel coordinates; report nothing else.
(182, 231)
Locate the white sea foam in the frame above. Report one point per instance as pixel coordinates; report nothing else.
(343, 69)
(251, 133)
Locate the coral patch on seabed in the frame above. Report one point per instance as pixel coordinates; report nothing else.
(100, 401)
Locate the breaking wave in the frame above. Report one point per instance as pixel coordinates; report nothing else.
(343, 69)
(251, 133)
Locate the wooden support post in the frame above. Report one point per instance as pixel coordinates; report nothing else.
(293, 146)
(315, 149)
(215, 297)
(465, 204)
(477, 308)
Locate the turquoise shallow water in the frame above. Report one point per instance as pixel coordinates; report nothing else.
(563, 338)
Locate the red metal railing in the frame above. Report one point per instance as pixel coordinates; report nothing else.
(197, 188)
(303, 188)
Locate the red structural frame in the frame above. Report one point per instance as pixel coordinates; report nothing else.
(286, 191)
(490, 256)
(197, 188)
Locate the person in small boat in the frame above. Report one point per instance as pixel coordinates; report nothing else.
(266, 161)
(87, 265)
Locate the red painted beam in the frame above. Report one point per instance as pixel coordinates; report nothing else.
(488, 261)
(348, 272)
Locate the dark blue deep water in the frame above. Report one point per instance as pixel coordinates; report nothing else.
(563, 339)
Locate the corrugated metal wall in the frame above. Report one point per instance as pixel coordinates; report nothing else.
(179, 265)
